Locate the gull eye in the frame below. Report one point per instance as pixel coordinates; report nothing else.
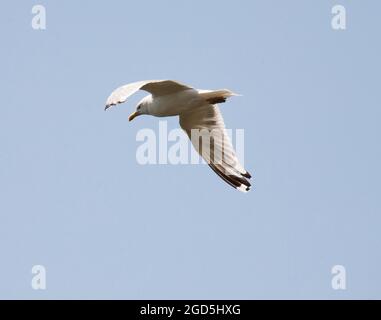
(139, 107)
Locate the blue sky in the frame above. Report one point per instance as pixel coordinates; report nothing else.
(74, 199)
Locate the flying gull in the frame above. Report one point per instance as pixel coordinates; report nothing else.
(198, 112)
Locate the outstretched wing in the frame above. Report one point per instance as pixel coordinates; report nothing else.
(155, 87)
(206, 124)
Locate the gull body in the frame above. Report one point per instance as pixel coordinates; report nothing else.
(197, 111)
(171, 104)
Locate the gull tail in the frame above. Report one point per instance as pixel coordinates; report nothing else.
(216, 96)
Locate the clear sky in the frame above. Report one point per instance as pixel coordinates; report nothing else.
(74, 199)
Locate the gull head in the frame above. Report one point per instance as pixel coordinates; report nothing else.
(141, 108)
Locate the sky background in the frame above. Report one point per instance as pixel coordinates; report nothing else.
(74, 199)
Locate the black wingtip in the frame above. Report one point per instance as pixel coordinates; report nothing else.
(247, 175)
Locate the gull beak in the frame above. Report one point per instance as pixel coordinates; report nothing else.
(133, 116)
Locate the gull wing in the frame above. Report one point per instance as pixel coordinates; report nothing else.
(206, 124)
(155, 87)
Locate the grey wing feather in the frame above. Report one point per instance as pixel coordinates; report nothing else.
(155, 87)
(218, 151)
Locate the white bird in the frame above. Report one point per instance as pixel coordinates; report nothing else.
(198, 111)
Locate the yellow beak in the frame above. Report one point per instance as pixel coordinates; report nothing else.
(133, 116)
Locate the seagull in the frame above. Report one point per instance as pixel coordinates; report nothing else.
(198, 111)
